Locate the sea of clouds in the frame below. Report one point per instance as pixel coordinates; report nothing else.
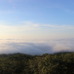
(37, 48)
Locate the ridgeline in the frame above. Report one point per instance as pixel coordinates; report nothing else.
(58, 63)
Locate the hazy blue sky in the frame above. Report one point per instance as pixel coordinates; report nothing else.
(36, 19)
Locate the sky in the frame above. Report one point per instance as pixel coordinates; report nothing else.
(36, 20)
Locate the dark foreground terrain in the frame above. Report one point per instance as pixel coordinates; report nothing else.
(59, 63)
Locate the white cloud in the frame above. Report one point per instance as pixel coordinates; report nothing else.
(35, 48)
(32, 31)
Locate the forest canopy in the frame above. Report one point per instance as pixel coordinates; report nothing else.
(59, 63)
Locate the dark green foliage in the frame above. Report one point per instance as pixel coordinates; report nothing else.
(59, 63)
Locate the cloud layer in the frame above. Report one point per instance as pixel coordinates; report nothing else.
(37, 48)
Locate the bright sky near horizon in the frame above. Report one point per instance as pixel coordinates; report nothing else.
(36, 19)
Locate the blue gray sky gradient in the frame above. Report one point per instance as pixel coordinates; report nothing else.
(36, 20)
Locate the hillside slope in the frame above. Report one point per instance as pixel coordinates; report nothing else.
(59, 63)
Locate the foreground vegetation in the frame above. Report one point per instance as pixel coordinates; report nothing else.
(59, 63)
